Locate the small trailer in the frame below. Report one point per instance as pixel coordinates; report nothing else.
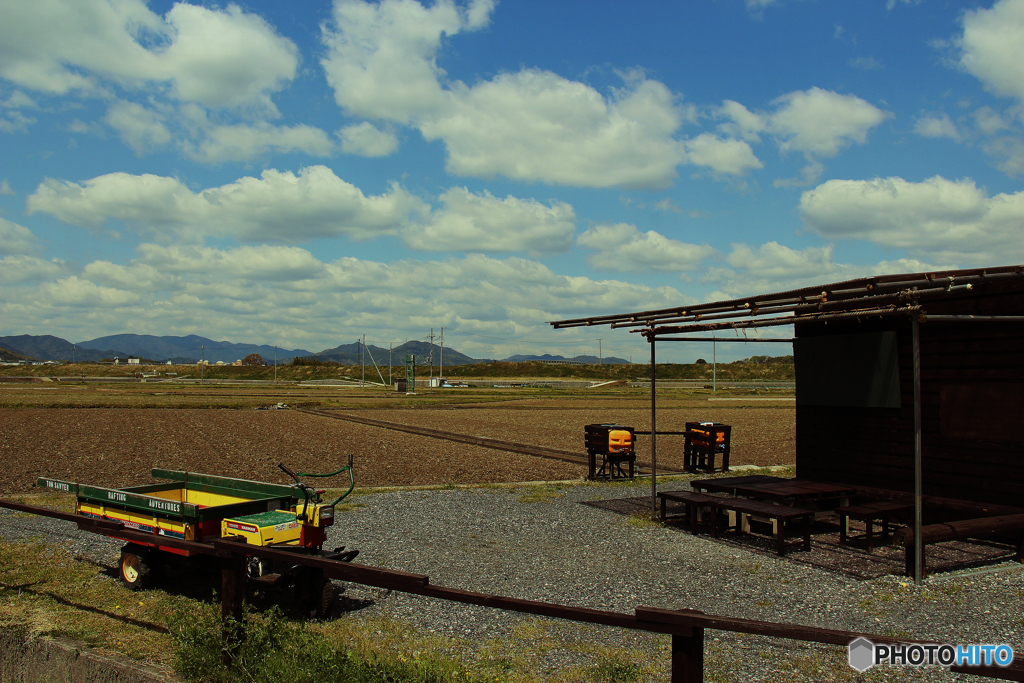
(191, 513)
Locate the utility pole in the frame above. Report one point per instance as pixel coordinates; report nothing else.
(202, 366)
(430, 358)
(362, 362)
(275, 363)
(600, 356)
(440, 373)
(390, 349)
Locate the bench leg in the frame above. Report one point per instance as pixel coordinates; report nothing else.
(807, 534)
(869, 525)
(780, 537)
(844, 522)
(663, 511)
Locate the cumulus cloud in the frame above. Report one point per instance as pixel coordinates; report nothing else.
(293, 208)
(282, 294)
(938, 219)
(15, 239)
(622, 248)
(817, 123)
(277, 206)
(536, 125)
(365, 139)
(140, 128)
(937, 126)
(991, 48)
(528, 125)
(472, 222)
(21, 269)
(774, 267)
(243, 141)
(734, 157)
(219, 58)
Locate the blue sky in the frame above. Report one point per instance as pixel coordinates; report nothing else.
(308, 173)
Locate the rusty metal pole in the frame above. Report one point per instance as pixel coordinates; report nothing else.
(654, 433)
(232, 591)
(918, 545)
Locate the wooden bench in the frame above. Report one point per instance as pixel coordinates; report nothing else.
(1009, 525)
(780, 514)
(881, 510)
(692, 500)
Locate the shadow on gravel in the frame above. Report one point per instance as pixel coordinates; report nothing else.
(851, 560)
(198, 578)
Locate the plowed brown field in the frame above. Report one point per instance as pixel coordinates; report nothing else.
(118, 447)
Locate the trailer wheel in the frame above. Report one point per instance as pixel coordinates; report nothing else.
(135, 570)
(327, 595)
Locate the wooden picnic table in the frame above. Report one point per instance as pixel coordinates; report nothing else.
(776, 489)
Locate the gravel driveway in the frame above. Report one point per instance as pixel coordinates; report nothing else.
(560, 550)
(543, 543)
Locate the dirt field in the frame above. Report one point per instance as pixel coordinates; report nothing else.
(118, 447)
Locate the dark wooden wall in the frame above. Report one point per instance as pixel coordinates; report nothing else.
(972, 407)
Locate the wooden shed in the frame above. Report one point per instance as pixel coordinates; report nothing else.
(911, 382)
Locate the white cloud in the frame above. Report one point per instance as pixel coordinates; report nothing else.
(15, 239)
(293, 208)
(992, 49)
(20, 269)
(285, 295)
(365, 139)
(937, 126)
(816, 122)
(821, 122)
(527, 125)
(866, 63)
(1008, 154)
(536, 125)
(220, 58)
(471, 222)
(989, 121)
(774, 267)
(277, 206)
(938, 219)
(13, 121)
(242, 142)
(622, 248)
(82, 294)
(140, 128)
(5, 188)
(734, 157)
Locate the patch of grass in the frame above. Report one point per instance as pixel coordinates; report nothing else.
(639, 522)
(541, 494)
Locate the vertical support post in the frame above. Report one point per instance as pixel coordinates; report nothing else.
(688, 657)
(714, 365)
(232, 591)
(918, 545)
(654, 432)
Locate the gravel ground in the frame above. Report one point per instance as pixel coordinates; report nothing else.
(545, 544)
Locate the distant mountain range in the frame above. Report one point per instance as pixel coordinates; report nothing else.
(192, 348)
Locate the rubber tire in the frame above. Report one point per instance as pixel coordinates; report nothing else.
(327, 596)
(134, 568)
